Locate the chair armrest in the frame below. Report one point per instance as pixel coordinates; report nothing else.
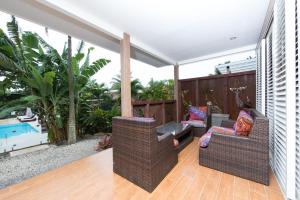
(163, 137)
(222, 137)
(232, 141)
(237, 142)
(227, 123)
(164, 144)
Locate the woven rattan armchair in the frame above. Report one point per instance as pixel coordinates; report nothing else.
(246, 157)
(199, 131)
(139, 154)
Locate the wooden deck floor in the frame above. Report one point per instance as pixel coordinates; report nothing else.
(93, 178)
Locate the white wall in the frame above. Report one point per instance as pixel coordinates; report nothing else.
(206, 67)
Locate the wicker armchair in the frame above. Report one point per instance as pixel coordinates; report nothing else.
(139, 154)
(199, 131)
(246, 157)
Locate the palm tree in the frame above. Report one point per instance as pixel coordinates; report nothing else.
(136, 88)
(99, 94)
(159, 90)
(71, 120)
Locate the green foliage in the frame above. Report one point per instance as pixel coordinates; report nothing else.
(100, 120)
(18, 104)
(92, 98)
(136, 88)
(90, 70)
(98, 95)
(36, 70)
(159, 90)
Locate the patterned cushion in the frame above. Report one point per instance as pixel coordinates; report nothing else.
(198, 113)
(195, 123)
(241, 113)
(243, 124)
(204, 140)
(203, 109)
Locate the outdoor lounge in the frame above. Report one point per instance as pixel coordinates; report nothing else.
(139, 154)
(223, 136)
(246, 157)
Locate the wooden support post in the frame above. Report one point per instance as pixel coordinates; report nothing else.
(197, 92)
(126, 106)
(179, 104)
(176, 92)
(147, 110)
(163, 112)
(227, 93)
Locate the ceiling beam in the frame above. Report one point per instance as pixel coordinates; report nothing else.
(139, 50)
(46, 14)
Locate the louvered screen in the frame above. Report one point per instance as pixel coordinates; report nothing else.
(280, 156)
(258, 80)
(297, 109)
(270, 94)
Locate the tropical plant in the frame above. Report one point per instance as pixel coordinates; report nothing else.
(97, 120)
(136, 88)
(100, 120)
(97, 95)
(19, 62)
(159, 90)
(97, 108)
(40, 74)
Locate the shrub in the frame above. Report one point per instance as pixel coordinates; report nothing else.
(100, 120)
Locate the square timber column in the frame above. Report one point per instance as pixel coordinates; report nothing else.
(176, 92)
(126, 106)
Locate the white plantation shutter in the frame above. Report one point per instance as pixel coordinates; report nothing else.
(278, 94)
(260, 77)
(258, 80)
(285, 96)
(297, 181)
(290, 45)
(263, 76)
(280, 153)
(270, 93)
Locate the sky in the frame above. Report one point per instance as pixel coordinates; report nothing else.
(140, 70)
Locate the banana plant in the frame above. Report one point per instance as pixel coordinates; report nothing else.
(41, 75)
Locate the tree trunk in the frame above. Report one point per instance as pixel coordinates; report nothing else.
(71, 121)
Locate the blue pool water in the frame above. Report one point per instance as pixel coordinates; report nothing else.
(11, 130)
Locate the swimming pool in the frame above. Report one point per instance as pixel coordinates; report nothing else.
(21, 135)
(12, 130)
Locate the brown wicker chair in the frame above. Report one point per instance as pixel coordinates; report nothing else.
(139, 154)
(246, 157)
(199, 131)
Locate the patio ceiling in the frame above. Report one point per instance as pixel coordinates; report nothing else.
(162, 32)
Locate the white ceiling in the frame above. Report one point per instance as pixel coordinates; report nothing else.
(174, 31)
